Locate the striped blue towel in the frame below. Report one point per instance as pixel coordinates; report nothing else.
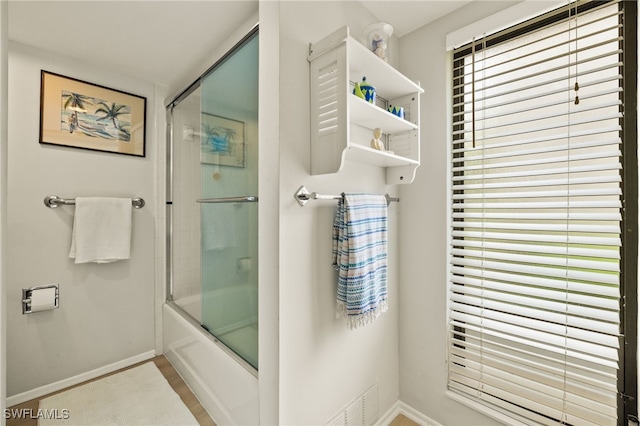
(360, 256)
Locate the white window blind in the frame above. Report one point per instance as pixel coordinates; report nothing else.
(534, 321)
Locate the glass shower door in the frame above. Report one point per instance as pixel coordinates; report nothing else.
(229, 204)
(213, 200)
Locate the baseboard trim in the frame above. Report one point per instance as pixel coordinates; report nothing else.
(416, 415)
(391, 414)
(83, 377)
(411, 413)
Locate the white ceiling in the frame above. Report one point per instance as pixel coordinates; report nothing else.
(408, 15)
(157, 41)
(162, 41)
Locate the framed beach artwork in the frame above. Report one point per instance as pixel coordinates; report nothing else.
(79, 114)
(222, 141)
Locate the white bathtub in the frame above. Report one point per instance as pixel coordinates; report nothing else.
(225, 386)
(233, 310)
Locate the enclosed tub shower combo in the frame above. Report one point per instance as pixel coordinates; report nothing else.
(211, 314)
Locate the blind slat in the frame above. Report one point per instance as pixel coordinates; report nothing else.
(539, 270)
(610, 77)
(526, 379)
(573, 181)
(576, 369)
(550, 259)
(545, 249)
(539, 216)
(542, 110)
(549, 397)
(537, 341)
(539, 161)
(568, 204)
(605, 305)
(614, 190)
(571, 170)
(557, 338)
(545, 227)
(559, 149)
(570, 134)
(550, 311)
(544, 282)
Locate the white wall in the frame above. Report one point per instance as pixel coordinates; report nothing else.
(323, 365)
(269, 212)
(106, 311)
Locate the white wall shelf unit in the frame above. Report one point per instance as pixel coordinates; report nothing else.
(342, 124)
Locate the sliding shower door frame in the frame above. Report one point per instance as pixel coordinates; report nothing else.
(169, 214)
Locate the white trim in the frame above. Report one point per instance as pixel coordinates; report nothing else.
(504, 19)
(269, 214)
(160, 128)
(411, 413)
(416, 415)
(83, 377)
(391, 414)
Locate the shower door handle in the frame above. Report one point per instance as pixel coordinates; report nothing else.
(246, 199)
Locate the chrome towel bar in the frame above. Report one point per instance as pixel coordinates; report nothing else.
(246, 199)
(53, 201)
(303, 196)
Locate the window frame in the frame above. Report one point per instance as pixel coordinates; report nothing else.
(628, 366)
(627, 374)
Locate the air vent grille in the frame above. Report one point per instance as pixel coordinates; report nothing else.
(361, 411)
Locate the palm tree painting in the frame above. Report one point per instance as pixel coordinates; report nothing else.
(112, 112)
(74, 102)
(79, 114)
(95, 117)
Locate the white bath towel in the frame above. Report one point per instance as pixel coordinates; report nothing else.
(101, 230)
